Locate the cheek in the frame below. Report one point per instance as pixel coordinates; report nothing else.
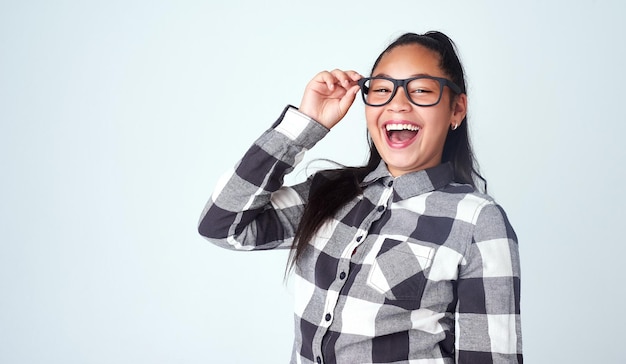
(371, 117)
(439, 116)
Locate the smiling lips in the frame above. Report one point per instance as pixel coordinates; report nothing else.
(401, 135)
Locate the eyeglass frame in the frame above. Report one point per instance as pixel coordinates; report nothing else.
(396, 83)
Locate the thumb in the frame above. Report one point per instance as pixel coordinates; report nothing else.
(348, 99)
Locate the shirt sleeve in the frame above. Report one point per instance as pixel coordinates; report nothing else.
(488, 310)
(250, 208)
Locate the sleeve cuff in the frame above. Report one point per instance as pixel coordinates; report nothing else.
(300, 128)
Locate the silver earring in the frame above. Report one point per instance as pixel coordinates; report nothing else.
(455, 126)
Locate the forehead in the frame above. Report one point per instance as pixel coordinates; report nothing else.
(407, 60)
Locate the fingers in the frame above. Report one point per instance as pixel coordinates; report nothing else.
(348, 99)
(344, 79)
(348, 81)
(329, 95)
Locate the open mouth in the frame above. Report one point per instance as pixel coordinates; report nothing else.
(401, 133)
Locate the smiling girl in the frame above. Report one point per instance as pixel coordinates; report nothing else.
(403, 260)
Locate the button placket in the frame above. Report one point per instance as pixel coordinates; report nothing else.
(384, 198)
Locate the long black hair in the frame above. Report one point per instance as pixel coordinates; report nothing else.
(332, 189)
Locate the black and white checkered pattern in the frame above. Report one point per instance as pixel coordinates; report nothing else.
(417, 269)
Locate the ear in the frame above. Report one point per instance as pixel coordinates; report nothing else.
(459, 110)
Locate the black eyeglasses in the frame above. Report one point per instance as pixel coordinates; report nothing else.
(420, 90)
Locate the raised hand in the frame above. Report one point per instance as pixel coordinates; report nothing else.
(329, 95)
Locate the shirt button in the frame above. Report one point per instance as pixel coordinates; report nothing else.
(390, 184)
(358, 238)
(380, 208)
(319, 360)
(328, 317)
(342, 275)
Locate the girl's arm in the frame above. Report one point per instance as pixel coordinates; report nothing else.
(488, 311)
(250, 209)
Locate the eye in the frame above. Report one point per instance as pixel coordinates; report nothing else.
(423, 86)
(420, 91)
(381, 86)
(381, 90)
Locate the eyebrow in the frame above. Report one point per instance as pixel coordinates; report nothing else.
(411, 76)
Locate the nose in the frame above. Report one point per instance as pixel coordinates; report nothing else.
(399, 102)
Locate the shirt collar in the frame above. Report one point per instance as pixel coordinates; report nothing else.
(414, 183)
(380, 172)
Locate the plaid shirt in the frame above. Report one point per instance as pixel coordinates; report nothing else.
(417, 269)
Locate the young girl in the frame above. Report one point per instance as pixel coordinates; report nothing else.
(399, 261)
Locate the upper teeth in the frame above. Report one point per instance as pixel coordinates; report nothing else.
(410, 127)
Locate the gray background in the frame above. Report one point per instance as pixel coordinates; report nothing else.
(118, 117)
